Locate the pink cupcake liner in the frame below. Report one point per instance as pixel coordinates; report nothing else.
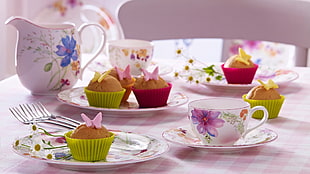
(148, 98)
(239, 75)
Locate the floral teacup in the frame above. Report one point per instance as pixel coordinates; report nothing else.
(135, 53)
(222, 121)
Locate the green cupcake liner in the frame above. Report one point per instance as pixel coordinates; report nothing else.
(104, 99)
(89, 149)
(273, 106)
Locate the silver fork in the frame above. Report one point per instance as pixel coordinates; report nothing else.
(36, 112)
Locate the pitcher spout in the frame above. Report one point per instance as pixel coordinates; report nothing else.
(19, 22)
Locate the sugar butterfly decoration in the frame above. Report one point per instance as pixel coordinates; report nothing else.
(123, 74)
(95, 123)
(149, 75)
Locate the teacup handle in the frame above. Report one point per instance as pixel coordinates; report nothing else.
(263, 120)
(101, 46)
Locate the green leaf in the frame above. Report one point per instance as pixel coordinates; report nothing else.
(219, 77)
(48, 67)
(209, 70)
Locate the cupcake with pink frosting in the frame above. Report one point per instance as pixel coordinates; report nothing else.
(90, 141)
(151, 90)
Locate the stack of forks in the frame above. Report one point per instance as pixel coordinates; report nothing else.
(37, 113)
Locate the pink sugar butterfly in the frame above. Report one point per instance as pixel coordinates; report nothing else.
(123, 74)
(149, 76)
(95, 123)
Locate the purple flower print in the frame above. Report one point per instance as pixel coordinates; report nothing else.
(67, 50)
(207, 121)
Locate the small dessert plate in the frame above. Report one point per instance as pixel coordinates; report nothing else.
(185, 137)
(279, 76)
(127, 148)
(77, 98)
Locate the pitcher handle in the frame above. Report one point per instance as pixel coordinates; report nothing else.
(263, 120)
(99, 49)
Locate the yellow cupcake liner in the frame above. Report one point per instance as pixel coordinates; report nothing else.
(273, 106)
(89, 149)
(104, 99)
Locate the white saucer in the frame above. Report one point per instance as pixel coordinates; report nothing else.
(127, 148)
(77, 98)
(185, 137)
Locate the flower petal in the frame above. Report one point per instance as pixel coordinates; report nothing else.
(217, 123)
(65, 61)
(214, 114)
(62, 51)
(66, 42)
(212, 131)
(195, 120)
(72, 44)
(74, 55)
(201, 129)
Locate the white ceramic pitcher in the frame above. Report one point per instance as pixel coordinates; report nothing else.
(48, 56)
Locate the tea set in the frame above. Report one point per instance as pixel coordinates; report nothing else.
(48, 61)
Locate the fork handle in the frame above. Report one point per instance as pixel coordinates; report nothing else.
(56, 123)
(69, 119)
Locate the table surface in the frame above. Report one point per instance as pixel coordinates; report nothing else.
(287, 154)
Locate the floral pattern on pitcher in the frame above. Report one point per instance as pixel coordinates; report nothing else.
(60, 60)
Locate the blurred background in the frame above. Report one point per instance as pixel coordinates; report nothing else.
(104, 12)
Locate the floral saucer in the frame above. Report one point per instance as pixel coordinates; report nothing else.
(185, 137)
(127, 148)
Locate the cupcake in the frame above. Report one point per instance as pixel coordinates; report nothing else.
(265, 95)
(90, 141)
(104, 91)
(239, 69)
(125, 78)
(151, 90)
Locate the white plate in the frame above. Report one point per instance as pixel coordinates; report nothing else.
(279, 76)
(127, 148)
(76, 97)
(185, 137)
